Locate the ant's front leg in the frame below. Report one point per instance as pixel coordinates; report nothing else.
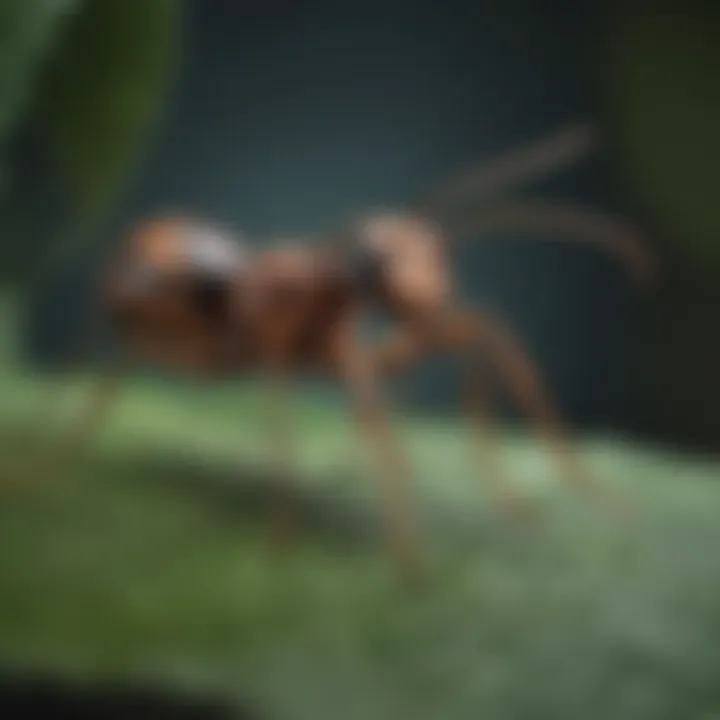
(360, 374)
(411, 344)
(486, 444)
(529, 393)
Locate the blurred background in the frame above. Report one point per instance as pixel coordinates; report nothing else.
(148, 564)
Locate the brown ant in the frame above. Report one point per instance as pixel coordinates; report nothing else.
(191, 297)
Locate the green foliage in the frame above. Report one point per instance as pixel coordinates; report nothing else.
(102, 94)
(665, 100)
(96, 74)
(152, 561)
(28, 29)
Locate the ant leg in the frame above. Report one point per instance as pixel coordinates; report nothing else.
(395, 354)
(360, 373)
(102, 398)
(402, 349)
(520, 378)
(485, 444)
(280, 433)
(410, 345)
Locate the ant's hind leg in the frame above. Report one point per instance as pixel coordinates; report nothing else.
(62, 454)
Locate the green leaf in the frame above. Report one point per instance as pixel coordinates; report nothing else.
(665, 99)
(104, 90)
(28, 29)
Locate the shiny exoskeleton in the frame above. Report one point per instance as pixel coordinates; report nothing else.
(185, 295)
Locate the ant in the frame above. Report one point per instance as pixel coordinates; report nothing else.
(188, 296)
